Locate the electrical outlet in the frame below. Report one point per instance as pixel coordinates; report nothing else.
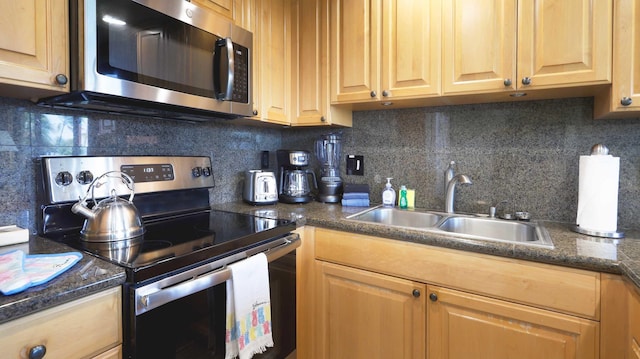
(355, 165)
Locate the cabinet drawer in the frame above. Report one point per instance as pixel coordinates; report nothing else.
(80, 329)
(568, 290)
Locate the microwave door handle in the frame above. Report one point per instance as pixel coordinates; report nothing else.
(231, 74)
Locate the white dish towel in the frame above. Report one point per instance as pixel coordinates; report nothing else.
(248, 308)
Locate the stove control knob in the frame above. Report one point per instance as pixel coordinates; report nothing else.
(197, 171)
(206, 171)
(84, 177)
(64, 178)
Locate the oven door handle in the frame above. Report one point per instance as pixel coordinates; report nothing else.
(159, 296)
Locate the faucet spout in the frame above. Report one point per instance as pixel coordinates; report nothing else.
(451, 190)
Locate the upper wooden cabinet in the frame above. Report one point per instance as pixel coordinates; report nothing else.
(313, 107)
(504, 45)
(274, 43)
(479, 46)
(623, 99)
(384, 49)
(34, 50)
(222, 7)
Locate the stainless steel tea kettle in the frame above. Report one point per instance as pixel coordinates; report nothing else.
(113, 218)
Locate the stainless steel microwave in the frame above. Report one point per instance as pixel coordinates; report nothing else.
(167, 59)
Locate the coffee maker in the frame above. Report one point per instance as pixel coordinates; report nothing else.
(296, 182)
(328, 148)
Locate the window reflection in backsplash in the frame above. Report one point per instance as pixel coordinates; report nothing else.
(68, 134)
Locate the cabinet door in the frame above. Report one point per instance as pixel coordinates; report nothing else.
(462, 325)
(564, 42)
(369, 315)
(633, 349)
(222, 7)
(312, 80)
(411, 32)
(34, 44)
(276, 36)
(479, 45)
(625, 95)
(355, 47)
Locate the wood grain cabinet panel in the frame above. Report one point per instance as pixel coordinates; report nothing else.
(34, 48)
(493, 46)
(368, 315)
(85, 328)
(463, 326)
(623, 98)
(384, 49)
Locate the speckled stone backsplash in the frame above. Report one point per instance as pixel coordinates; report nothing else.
(526, 153)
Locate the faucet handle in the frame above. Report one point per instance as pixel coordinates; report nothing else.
(493, 211)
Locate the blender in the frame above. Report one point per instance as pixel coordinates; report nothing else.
(328, 149)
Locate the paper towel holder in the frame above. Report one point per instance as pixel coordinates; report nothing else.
(598, 149)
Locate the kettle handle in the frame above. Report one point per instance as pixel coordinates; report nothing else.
(125, 178)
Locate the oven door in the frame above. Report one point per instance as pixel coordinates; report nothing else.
(193, 325)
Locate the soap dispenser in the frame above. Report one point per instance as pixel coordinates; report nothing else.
(388, 195)
(402, 202)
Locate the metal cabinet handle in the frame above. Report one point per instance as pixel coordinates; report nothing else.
(507, 82)
(61, 79)
(323, 119)
(37, 352)
(373, 94)
(433, 297)
(526, 81)
(385, 93)
(255, 112)
(416, 293)
(626, 101)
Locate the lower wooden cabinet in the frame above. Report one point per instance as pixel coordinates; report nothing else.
(633, 348)
(369, 315)
(371, 297)
(89, 327)
(463, 325)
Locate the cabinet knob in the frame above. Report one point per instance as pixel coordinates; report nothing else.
(385, 93)
(433, 297)
(61, 79)
(255, 112)
(323, 119)
(416, 293)
(373, 94)
(526, 81)
(507, 82)
(37, 352)
(626, 101)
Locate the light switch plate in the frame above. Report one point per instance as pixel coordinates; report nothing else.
(355, 165)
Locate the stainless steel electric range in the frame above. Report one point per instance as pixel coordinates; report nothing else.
(174, 295)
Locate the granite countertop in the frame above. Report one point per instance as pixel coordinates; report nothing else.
(571, 249)
(90, 275)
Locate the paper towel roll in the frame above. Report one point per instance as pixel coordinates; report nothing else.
(598, 193)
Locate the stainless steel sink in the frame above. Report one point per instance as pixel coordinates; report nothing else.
(458, 225)
(399, 218)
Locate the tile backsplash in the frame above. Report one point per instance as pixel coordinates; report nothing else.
(526, 152)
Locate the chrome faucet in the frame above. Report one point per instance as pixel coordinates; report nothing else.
(451, 190)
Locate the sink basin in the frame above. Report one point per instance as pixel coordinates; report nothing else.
(458, 225)
(400, 218)
(496, 229)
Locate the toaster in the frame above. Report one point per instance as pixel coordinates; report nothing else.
(260, 187)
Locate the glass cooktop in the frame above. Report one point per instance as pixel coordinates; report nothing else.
(182, 241)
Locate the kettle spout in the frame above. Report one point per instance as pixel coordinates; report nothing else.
(82, 209)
